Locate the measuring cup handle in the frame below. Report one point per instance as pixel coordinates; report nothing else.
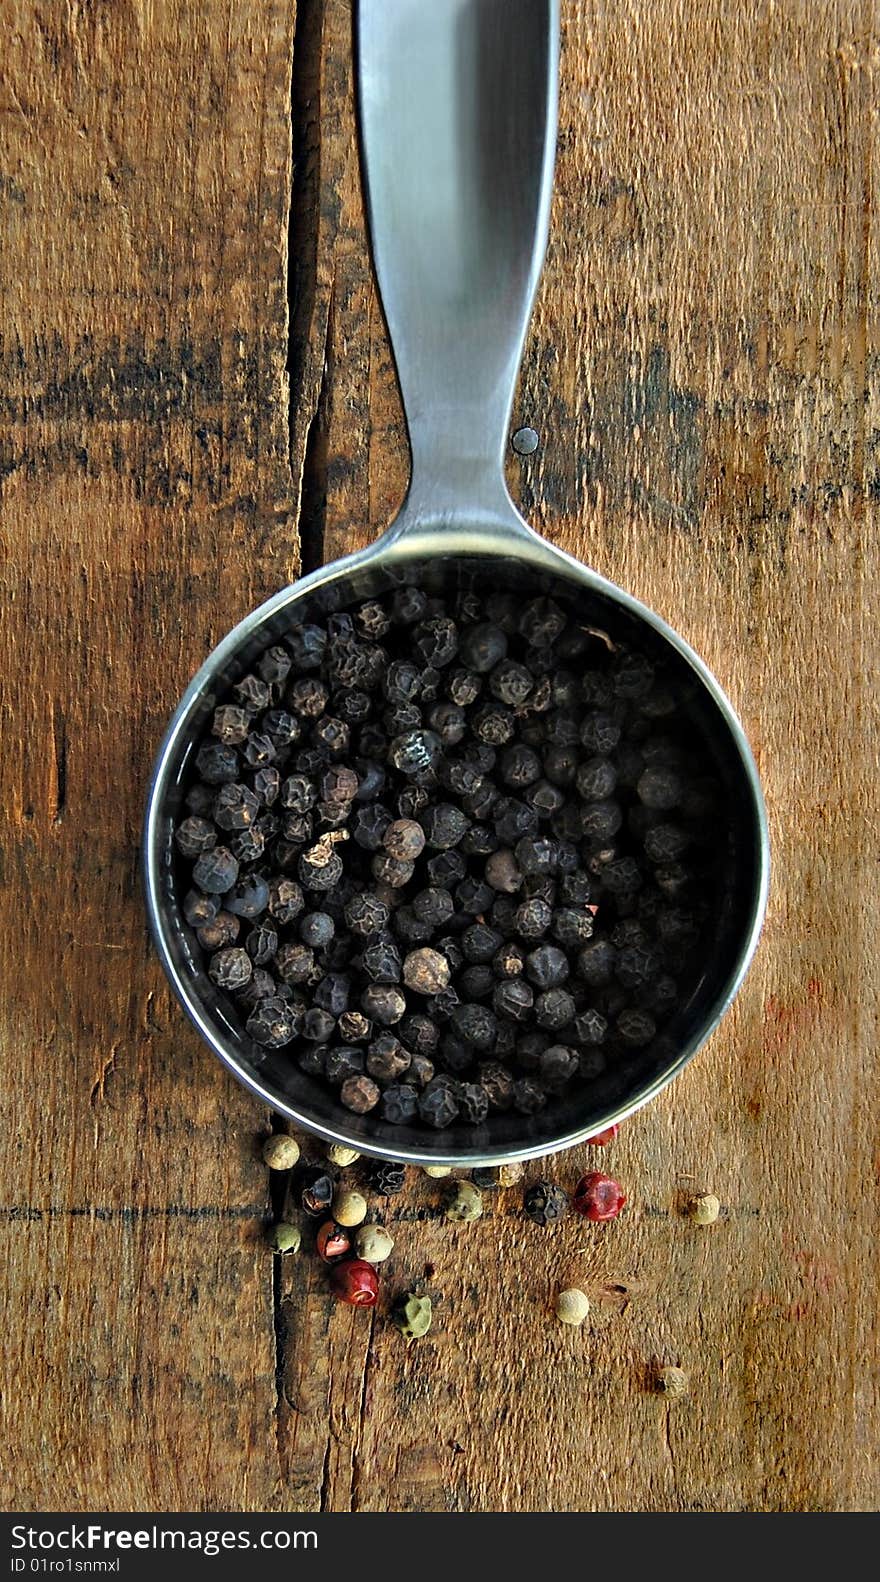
(458, 109)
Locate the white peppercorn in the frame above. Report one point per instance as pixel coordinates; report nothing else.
(509, 1174)
(572, 1306)
(704, 1208)
(280, 1152)
(349, 1208)
(339, 1155)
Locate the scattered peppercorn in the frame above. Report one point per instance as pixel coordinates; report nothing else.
(373, 1243)
(316, 1191)
(601, 1138)
(704, 1208)
(355, 1282)
(349, 1208)
(339, 1155)
(545, 1203)
(285, 1237)
(464, 1201)
(332, 1241)
(572, 1306)
(508, 1174)
(280, 1152)
(672, 1382)
(598, 1197)
(385, 1178)
(412, 1315)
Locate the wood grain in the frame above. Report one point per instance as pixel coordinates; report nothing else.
(703, 373)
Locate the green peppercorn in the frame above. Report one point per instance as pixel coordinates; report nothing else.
(465, 1201)
(285, 1237)
(412, 1315)
(373, 1243)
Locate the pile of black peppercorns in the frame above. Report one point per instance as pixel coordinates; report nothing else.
(455, 853)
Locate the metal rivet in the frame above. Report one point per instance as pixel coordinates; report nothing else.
(525, 441)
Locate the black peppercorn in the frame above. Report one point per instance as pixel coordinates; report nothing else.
(415, 752)
(231, 724)
(318, 1026)
(194, 836)
(473, 1103)
(557, 1066)
(547, 967)
(248, 845)
(482, 647)
(590, 1027)
(437, 1104)
(493, 724)
(221, 930)
(261, 943)
(554, 1009)
(260, 750)
(513, 999)
(249, 897)
(343, 1062)
(199, 909)
(420, 1034)
(476, 982)
(383, 1004)
(545, 1203)
(479, 943)
(497, 1083)
(475, 1025)
(385, 1178)
(399, 1104)
(217, 764)
(273, 1023)
(216, 871)
(230, 968)
(365, 914)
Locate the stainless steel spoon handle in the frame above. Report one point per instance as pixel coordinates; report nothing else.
(458, 105)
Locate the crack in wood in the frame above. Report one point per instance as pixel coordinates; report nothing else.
(99, 1085)
(132, 1213)
(307, 349)
(58, 766)
(313, 499)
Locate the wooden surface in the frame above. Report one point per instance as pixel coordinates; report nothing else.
(703, 373)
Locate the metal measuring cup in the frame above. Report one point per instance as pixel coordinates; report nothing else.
(458, 117)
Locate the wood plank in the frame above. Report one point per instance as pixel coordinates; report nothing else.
(147, 505)
(702, 371)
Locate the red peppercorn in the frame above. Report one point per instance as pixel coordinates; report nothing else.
(355, 1282)
(333, 1241)
(601, 1138)
(598, 1197)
